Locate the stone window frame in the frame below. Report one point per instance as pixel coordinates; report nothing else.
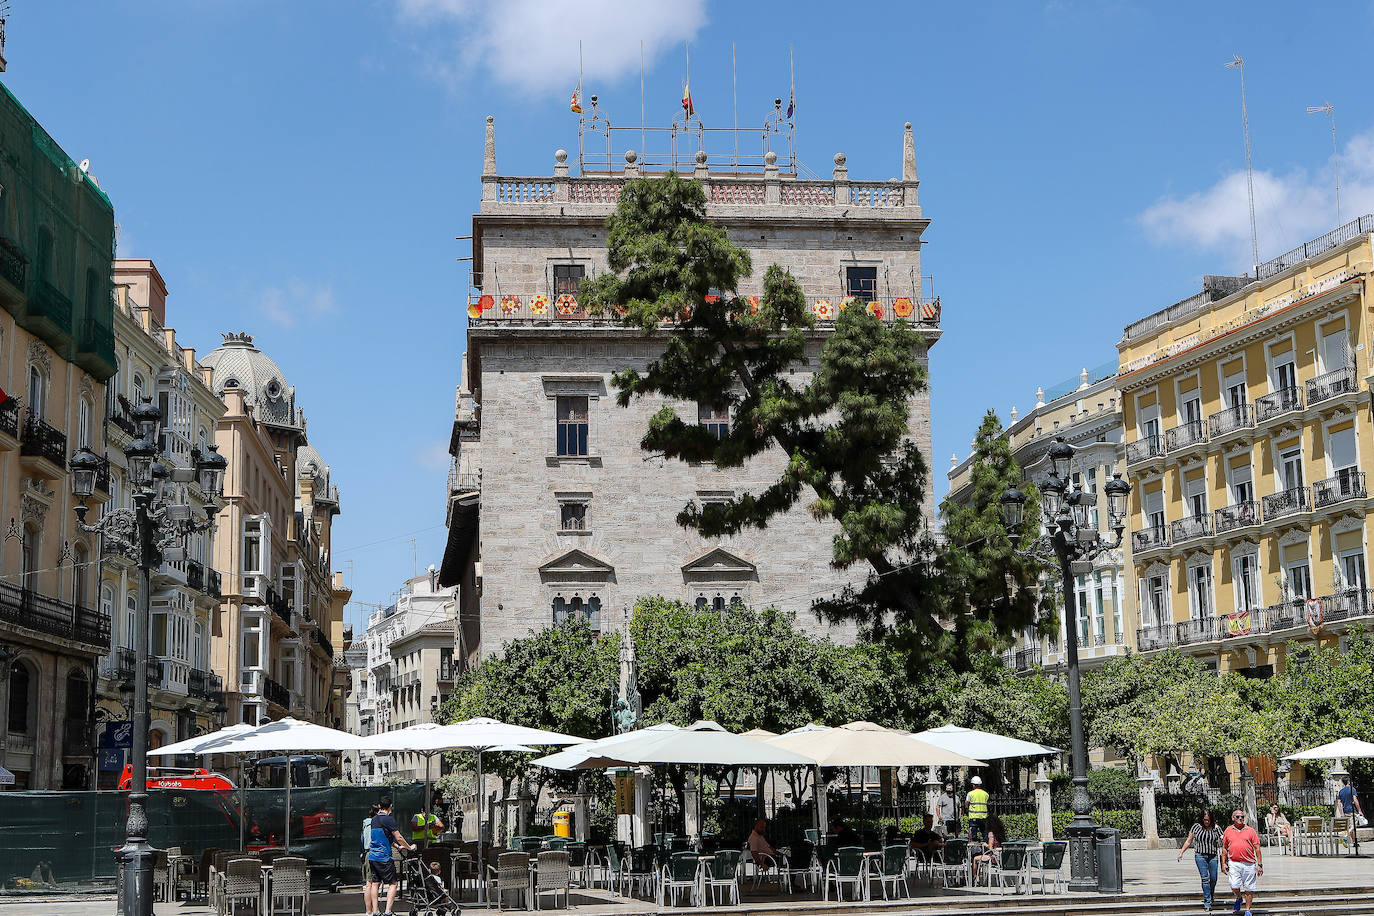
(593, 388)
(574, 497)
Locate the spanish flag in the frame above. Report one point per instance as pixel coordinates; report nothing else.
(687, 100)
(576, 106)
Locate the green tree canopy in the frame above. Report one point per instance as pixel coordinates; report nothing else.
(992, 698)
(996, 588)
(842, 420)
(1323, 694)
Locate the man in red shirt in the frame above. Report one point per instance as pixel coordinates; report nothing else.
(1241, 860)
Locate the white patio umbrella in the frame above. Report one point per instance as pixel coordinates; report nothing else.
(699, 743)
(212, 743)
(1335, 750)
(984, 745)
(478, 734)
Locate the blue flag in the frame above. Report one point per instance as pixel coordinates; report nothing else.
(791, 104)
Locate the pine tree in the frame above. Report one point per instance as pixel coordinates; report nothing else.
(844, 427)
(996, 588)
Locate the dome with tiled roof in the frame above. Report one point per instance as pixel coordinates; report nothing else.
(238, 363)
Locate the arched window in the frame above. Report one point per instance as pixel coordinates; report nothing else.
(138, 390)
(20, 690)
(81, 561)
(84, 434)
(130, 614)
(38, 390)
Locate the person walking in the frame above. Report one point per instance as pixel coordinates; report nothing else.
(977, 807)
(385, 833)
(1348, 805)
(949, 811)
(1242, 861)
(369, 893)
(1205, 839)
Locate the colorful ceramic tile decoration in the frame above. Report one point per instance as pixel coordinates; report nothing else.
(876, 310)
(566, 304)
(485, 303)
(539, 305)
(823, 310)
(902, 307)
(753, 305)
(510, 305)
(847, 301)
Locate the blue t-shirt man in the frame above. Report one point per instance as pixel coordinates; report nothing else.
(382, 827)
(1346, 796)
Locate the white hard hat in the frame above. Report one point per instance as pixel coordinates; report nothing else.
(977, 780)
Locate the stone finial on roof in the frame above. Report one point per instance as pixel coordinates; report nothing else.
(953, 459)
(1040, 397)
(1083, 379)
(560, 163)
(701, 172)
(1014, 413)
(841, 170)
(631, 163)
(908, 154)
(489, 155)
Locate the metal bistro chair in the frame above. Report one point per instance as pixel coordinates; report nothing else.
(511, 875)
(1051, 862)
(555, 843)
(219, 873)
(580, 863)
(242, 884)
(892, 869)
(552, 876)
(846, 868)
(615, 869)
(531, 844)
(640, 873)
(813, 836)
(679, 874)
(954, 861)
(1340, 830)
(290, 886)
(1011, 862)
(799, 863)
(723, 872)
(269, 855)
(162, 876)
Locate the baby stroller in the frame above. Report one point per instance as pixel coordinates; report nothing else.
(425, 890)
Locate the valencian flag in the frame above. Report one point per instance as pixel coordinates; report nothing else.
(687, 100)
(791, 104)
(576, 106)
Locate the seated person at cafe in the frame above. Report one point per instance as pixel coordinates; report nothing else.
(843, 834)
(925, 839)
(760, 850)
(996, 835)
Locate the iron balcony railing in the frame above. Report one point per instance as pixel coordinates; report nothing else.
(1331, 385)
(276, 693)
(1280, 402)
(1147, 638)
(49, 303)
(120, 417)
(1196, 630)
(204, 684)
(1027, 658)
(1184, 435)
(13, 263)
(538, 308)
(9, 421)
(1348, 484)
(1196, 526)
(1230, 420)
(1144, 449)
(40, 440)
(123, 663)
(322, 641)
(1149, 538)
(27, 608)
(1287, 502)
(195, 575)
(102, 476)
(212, 583)
(1241, 515)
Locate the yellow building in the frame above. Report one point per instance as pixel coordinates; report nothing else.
(1247, 430)
(1086, 413)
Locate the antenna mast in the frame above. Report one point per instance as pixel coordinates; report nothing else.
(1330, 111)
(1238, 62)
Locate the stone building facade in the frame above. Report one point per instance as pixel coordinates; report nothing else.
(184, 693)
(56, 354)
(281, 608)
(553, 509)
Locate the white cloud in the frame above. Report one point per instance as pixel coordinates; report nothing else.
(1290, 207)
(297, 299)
(532, 44)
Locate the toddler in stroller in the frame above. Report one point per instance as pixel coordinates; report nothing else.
(428, 894)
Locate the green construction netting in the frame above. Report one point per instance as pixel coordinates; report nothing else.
(76, 833)
(56, 244)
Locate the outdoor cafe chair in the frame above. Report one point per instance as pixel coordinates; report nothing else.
(511, 875)
(1011, 861)
(219, 870)
(162, 876)
(954, 861)
(825, 854)
(552, 876)
(201, 883)
(721, 871)
(798, 863)
(290, 886)
(679, 843)
(242, 884)
(764, 865)
(579, 863)
(615, 868)
(1314, 836)
(680, 873)
(531, 844)
(1051, 862)
(640, 873)
(1340, 833)
(891, 870)
(813, 836)
(270, 855)
(846, 868)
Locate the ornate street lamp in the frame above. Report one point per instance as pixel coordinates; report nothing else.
(144, 532)
(1071, 541)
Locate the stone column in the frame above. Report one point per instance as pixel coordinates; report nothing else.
(561, 188)
(1044, 810)
(1247, 792)
(841, 178)
(933, 794)
(772, 186)
(1173, 783)
(580, 811)
(1285, 790)
(691, 811)
(1149, 821)
(489, 162)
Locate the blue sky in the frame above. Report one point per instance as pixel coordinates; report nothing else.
(299, 170)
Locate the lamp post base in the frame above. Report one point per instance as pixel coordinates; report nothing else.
(136, 878)
(1082, 855)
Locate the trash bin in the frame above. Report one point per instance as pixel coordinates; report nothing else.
(562, 823)
(1107, 843)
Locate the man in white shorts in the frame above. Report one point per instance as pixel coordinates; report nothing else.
(1241, 861)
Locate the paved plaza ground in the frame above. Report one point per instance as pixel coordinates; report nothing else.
(1150, 875)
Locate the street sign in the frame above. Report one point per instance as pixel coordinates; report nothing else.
(118, 734)
(110, 758)
(6, 777)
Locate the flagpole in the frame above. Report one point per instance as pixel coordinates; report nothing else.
(642, 151)
(734, 95)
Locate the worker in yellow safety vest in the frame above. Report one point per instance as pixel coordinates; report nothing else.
(417, 827)
(977, 807)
